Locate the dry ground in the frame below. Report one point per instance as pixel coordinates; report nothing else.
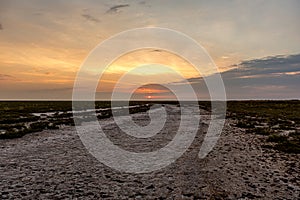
(55, 165)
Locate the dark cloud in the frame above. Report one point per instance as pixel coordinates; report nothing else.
(156, 50)
(116, 8)
(37, 13)
(1, 27)
(276, 70)
(144, 4)
(276, 77)
(157, 87)
(6, 77)
(41, 71)
(271, 65)
(155, 91)
(64, 89)
(90, 18)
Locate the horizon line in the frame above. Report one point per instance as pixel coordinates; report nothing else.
(150, 100)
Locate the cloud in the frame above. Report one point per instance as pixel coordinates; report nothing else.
(274, 77)
(156, 50)
(4, 77)
(271, 77)
(1, 27)
(116, 8)
(276, 70)
(90, 18)
(153, 89)
(149, 91)
(271, 65)
(63, 89)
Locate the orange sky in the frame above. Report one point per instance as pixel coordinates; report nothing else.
(43, 43)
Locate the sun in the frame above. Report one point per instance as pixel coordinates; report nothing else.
(149, 97)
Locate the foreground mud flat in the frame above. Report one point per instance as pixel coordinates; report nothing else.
(55, 165)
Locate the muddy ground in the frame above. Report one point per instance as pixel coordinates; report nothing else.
(54, 164)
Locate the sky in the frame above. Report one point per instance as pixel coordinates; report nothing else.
(255, 45)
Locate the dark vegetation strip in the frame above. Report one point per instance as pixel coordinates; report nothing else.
(17, 118)
(277, 121)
